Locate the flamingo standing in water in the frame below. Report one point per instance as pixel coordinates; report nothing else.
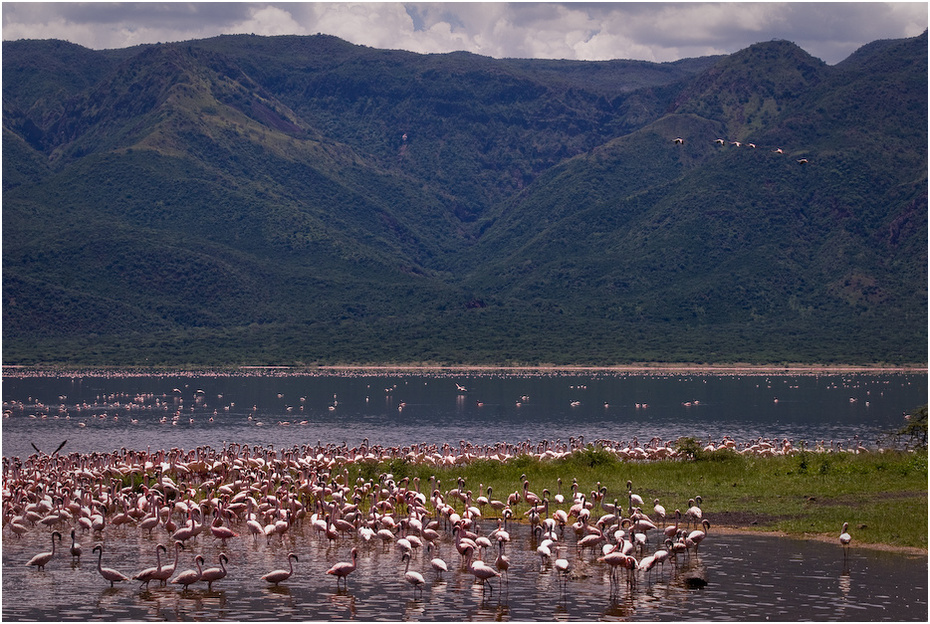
(414, 578)
(481, 570)
(437, 563)
(42, 558)
(149, 574)
(189, 577)
(845, 539)
(343, 569)
(108, 574)
(165, 572)
(277, 576)
(214, 574)
(562, 564)
(76, 550)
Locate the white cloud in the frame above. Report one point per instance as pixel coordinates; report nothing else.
(594, 31)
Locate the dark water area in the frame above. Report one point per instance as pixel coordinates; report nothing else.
(747, 576)
(108, 413)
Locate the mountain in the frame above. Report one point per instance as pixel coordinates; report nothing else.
(282, 200)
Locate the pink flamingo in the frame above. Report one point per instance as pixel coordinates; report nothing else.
(189, 577)
(214, 574)
(482, 571)
(108, 574)
(221, 533)
(343, 569)
(166, 571)
(414, 578)
(148, 574)
(42, 558)
(277, 576)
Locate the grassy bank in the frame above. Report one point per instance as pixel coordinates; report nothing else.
(883, 496)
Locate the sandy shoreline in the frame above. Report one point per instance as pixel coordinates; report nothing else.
(831, 539)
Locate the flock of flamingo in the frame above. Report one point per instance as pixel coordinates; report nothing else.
(721, 142)
(260, 494)
(241, 495)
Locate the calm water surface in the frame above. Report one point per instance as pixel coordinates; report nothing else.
(106, 413)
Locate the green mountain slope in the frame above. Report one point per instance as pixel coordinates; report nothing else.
(301, 199)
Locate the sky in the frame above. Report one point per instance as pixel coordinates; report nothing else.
(651, 31)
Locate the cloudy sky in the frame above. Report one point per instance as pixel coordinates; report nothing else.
(566, 30)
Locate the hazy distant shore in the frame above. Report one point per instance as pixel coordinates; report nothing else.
(379, 369)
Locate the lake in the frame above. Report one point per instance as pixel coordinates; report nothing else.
(742, 576)
(137, 412)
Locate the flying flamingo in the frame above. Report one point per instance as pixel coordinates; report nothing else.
(277, 576)
(343, 569)
(189, 577)
(42, 558)
(108, 574)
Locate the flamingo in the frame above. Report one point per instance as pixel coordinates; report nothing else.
(42, 558)
(148, 574)
(76, 550)
(214, 574)
(698, 536)
(437, 563)
(635, 499)
(108, 574)
(221, 533)
(481, 570)
(678, 141)
(659, 509)
(166, 571)
(343, 569)
(562, 565)
(277, 576)
(694, 512)
(189, 577)
(414, 578)
(845, 538)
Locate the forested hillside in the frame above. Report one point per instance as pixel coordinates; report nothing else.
(302, 200)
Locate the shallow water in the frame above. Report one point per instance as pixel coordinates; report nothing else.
(749, 577)
(107, 413)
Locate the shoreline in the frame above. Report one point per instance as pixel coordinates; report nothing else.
(545, 369)
(819, 537)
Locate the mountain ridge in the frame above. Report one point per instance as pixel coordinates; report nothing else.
(272, 200)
